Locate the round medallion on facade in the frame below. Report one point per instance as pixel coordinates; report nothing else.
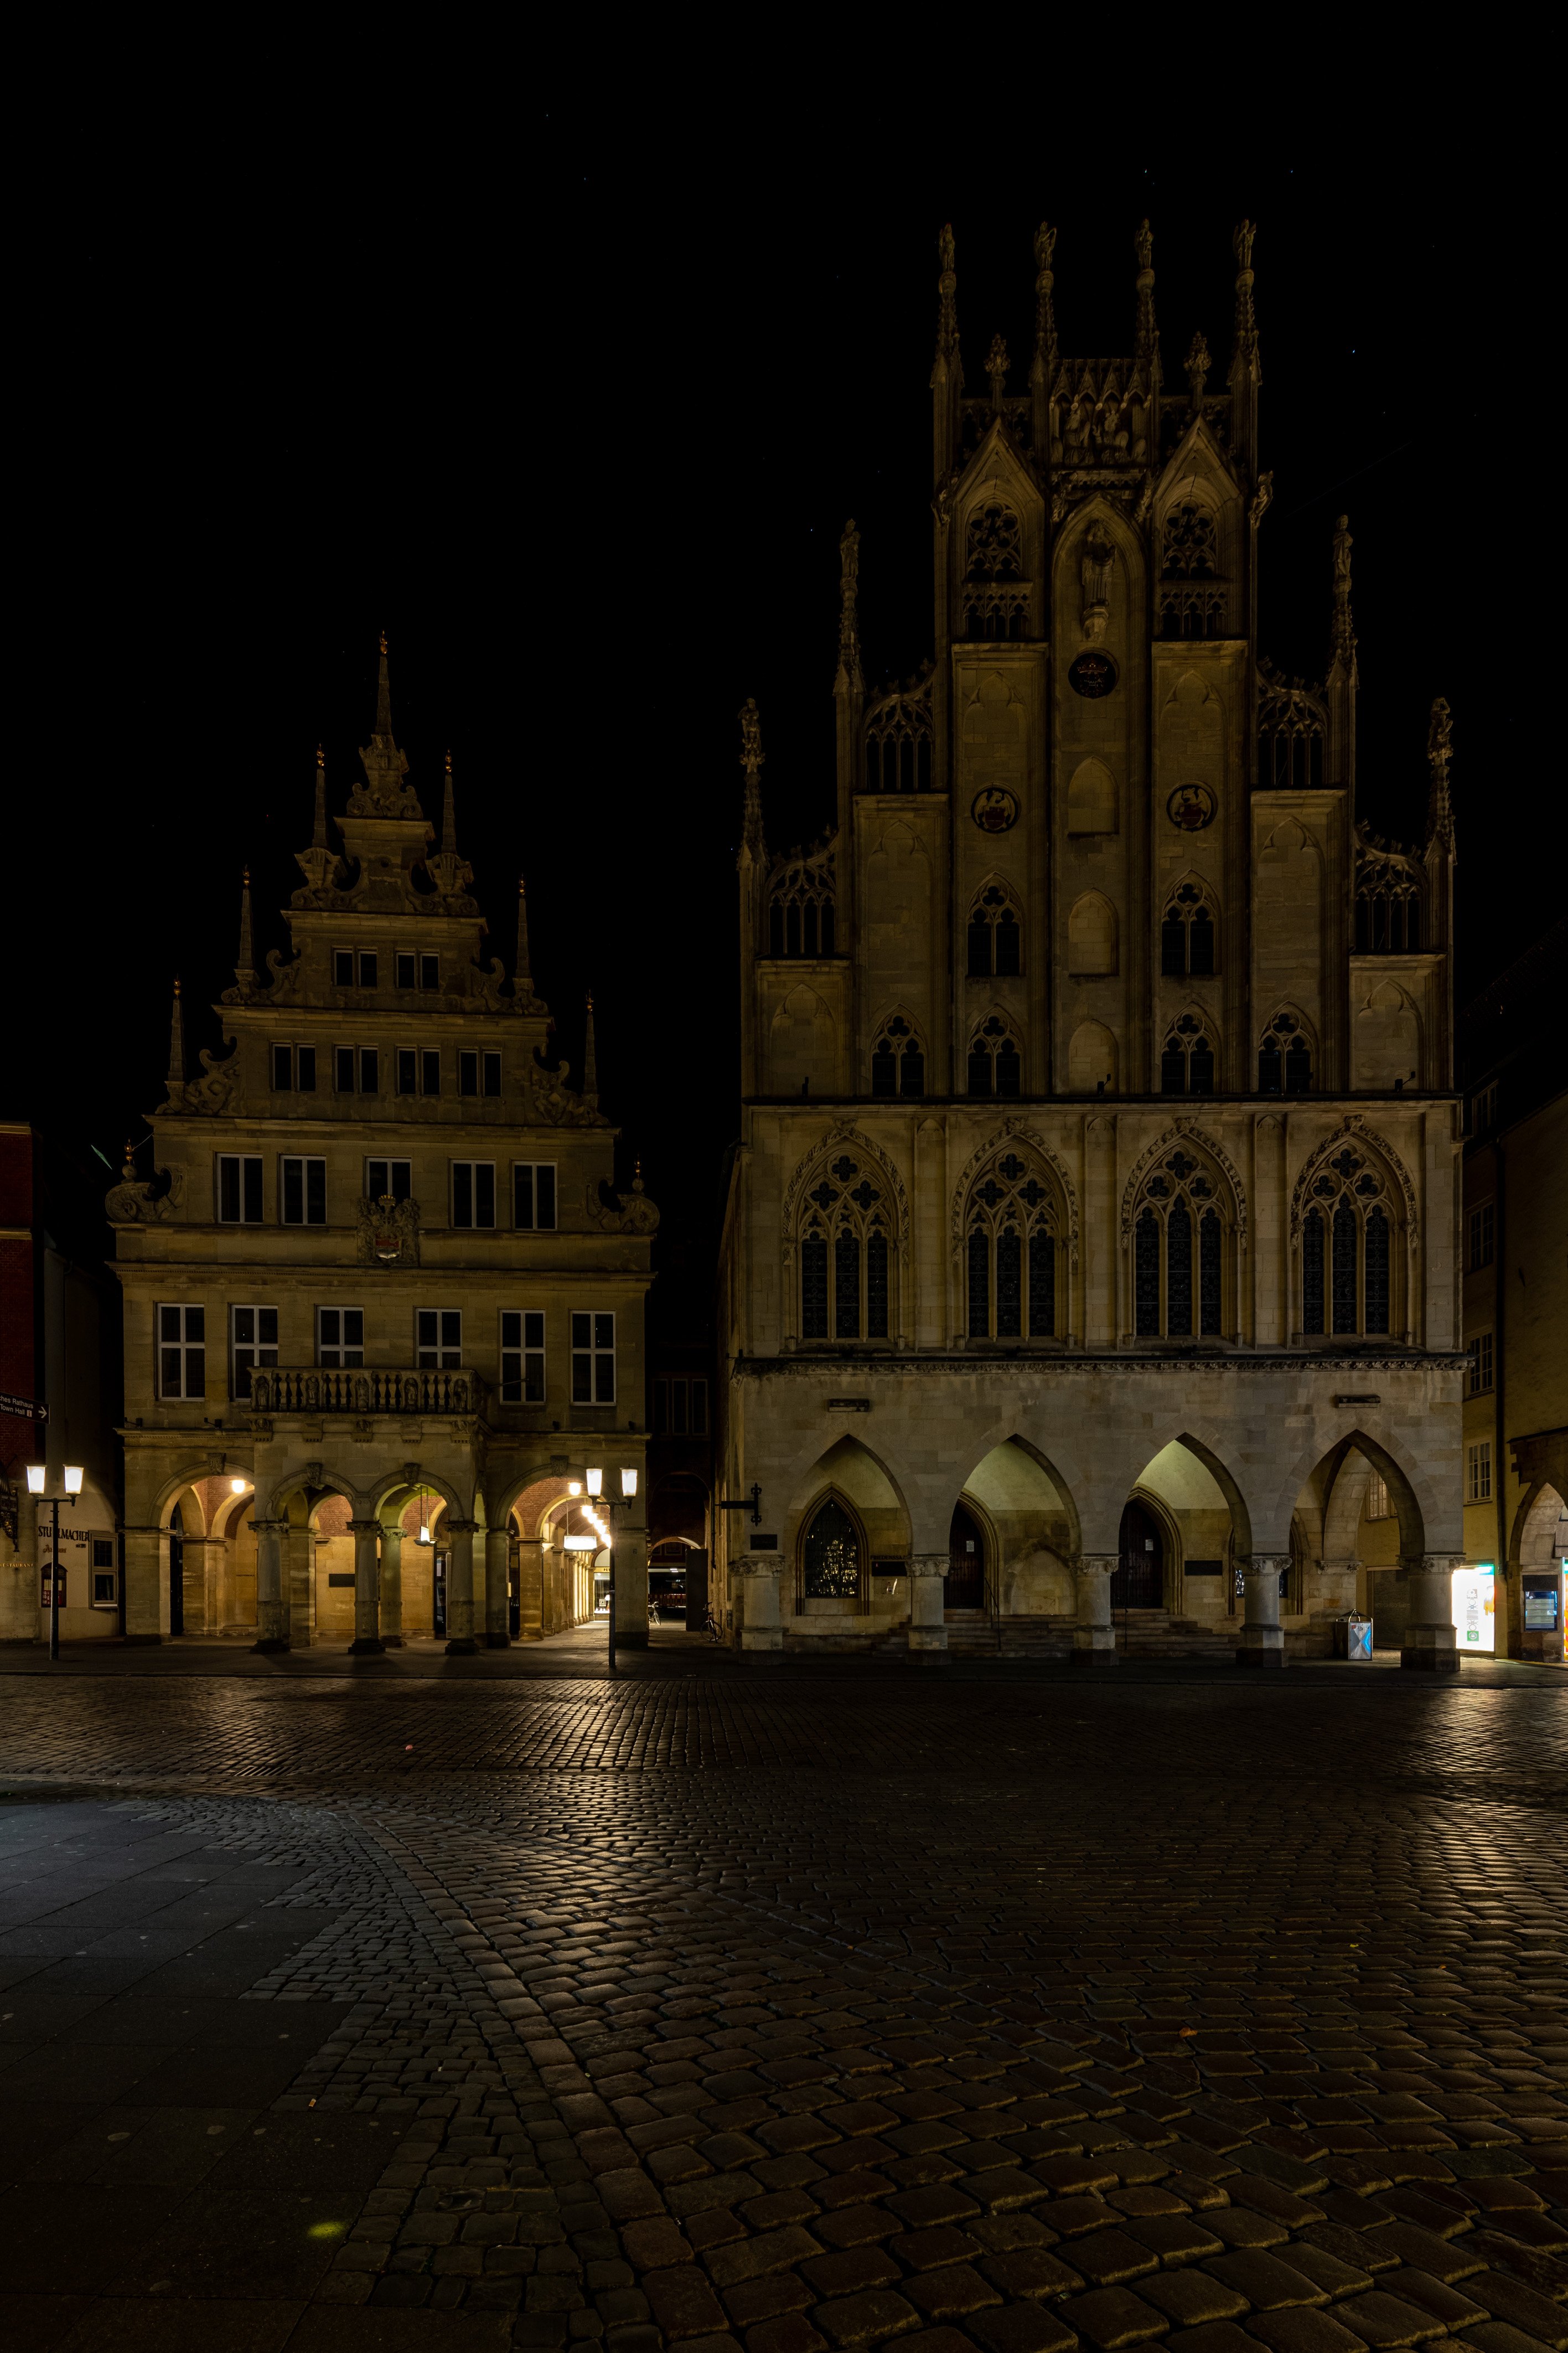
(1092, 676)
(1191, 807)
(995, 810)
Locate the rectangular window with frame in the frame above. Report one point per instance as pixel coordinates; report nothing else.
(182, 1352)
(253, 1344)
(430, 1069)
(305, 1069)
(1483, 1235)
(490, 1072)
(406, 966)
(593, 1357)
(370, 1071)
(408, 1070)
(522, 1355)
(344, 1070)
(340, 1335)
(468, 1071)
(282, 1069)
(367, 969)
(394, 1176)
(343, 967)
(1478, 1473)
(533, 1195)
(473, 1193)
(303, 1188)
(429, 972)
(1478, 1380)
(439, 1337)
(238, 1183)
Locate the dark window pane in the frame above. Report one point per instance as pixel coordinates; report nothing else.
(462, 1192)
(1173, 1071)
(430, 1072)
(1344, 1268)
(979, 948)
(1172, 948)
(581, 1330)
(1009, 1285)
(493, 1074)
(912, 1074)
(1209, 1274)
(484, 1193)
(979, 1071)
(979, 1285)
(775, 929)
(831, 1555)
(252, 1191)
(1042, 1285)
(1179, 1270)
(405, 970)
(1146, 1275)
(1377, 1272)
(1200, 945)
(228, 1190)
(293, 1192)
(792, 928)
(367, 969)
(429, 972)
(305, 1059)
(408, 1070)
(1299, 1068)
(1009, 942)
(467, 1073)
(315, 1192)
(814, 1291)
(195, 1372)
(847, 1287)
(1269, 1067)
(883, 1072)
(401, 1172)
(827, 927)
(369, 1070)
(282, 1069)
(344, 967)
(699, 1408)
(1200, 1068)
(808, 928)
(876, 1293)
(1009, 1069)
(344, 1070)
(545, 1194)
(522, 1197)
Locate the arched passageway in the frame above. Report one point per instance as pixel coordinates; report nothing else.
(1139, 1580)
(964, 1586)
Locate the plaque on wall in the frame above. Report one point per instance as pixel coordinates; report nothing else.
(1191, 807)
(1092, 676)
(995, 810)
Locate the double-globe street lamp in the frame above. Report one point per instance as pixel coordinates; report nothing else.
(38, 1479)
(594, 1478)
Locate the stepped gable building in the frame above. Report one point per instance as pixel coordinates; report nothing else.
(380, 1312)
(1089, 1274)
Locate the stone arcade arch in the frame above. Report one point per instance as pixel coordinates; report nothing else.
(1537, 1550)
(1359, 1533)
(861, 1483)
(1030, 1530)
(1199, 1523)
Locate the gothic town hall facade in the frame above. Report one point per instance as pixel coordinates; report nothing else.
(1089, 1274)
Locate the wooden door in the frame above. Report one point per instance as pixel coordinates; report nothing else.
(1139, 1582)
(964, 1585)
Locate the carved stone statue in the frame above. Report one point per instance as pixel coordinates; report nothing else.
(1098, 556)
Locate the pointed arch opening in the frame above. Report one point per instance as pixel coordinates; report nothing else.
(844, 1223)
(1013, 1223)
(1351, 1243)
(1092, 936)
(1183, 1234)
(898, 1060)
(1029, 1529)
(994, 938)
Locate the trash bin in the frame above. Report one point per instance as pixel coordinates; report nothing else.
(1353, 1637)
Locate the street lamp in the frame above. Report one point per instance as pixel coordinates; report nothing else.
(612, 1503)
(37, 1477)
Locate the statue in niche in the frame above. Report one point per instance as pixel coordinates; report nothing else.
(1099, 555)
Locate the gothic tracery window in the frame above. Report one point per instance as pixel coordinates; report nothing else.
(1187, 1064)
(800, 907)
(1182, 1251)
(1291, 730)
(995, 1065)
(1387, 906)
(1284, 1058)
(899, 738)
(1192, 595)
(1347, 1236)
(1186, 935)
(1010, 1248)
(996, 936)
(996, 593)
(846, 1254)
(898, 1060)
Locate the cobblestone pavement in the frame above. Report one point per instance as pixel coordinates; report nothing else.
(783, 2013)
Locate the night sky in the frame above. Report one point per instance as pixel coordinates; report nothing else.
(583, 442)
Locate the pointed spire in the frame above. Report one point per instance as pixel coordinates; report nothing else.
(947, 291)
(382, 698)
(1439, 753)
(849, 675)
(522, 974)
(319, 832)
(384, 791)
(752, 762)
(1043, 369)
(1343, 640)
(244, 967)
(947, 372)
(996, 369)
(1146, 341)
(1245, 315)
(448, 815)
(178, 1042)
(590, 1059)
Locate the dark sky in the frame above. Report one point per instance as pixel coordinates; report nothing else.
(582, 436)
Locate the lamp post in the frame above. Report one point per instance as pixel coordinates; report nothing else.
(37, 1474)
(594, 1480)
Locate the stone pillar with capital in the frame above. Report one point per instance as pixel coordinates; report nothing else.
(631, 1579)
(299, 1585)
(271, 1616)
(460, 1640)
(497, 1614)
(1094, 1636)
(146, 1585)
(530, 1589)
(1262, 1640)
(762, 1627)
(928, 1623)
(367, 1589)
(1429, 1645)
(390, 1588)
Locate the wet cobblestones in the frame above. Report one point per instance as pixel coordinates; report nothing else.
(1002, 2016)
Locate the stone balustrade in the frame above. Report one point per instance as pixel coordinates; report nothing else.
(363, 1389)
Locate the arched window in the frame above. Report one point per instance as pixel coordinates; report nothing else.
(1347, 1263)
(897, 1062)
(1291, 732)
(995, 936)
(1181, 1254)
(996, 593)
(1011, 1223)
(1284, 1058)
(1187, 935)
(845, 1254)
(1187, 1065)
(800, 908)
(831, 1554)
(1387, 905)
(899, 738)
(995, 1065)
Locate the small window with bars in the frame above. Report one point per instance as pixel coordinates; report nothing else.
(522, 1355)
(302, 1189)
(253, 1344)
(473, 1193)
(389, 1178)
(182, 1352)
(340, 1335)
(237, 1183)
(438, 1338)
(533, 1195)
(593, 1357)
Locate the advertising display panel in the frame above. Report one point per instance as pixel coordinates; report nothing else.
(1474, 1591)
